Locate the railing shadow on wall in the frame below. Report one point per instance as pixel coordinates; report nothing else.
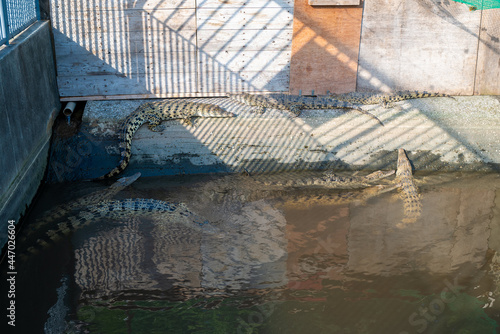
(174, 46)
(150, 49)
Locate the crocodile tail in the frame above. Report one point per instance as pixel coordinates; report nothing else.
(428, 94)
(413, 94)
(129, 127)
(117, 170)
(125, 154)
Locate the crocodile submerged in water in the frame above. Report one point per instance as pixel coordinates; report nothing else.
(335, 198)
(290, 187)
(408, 190)
(294, 103)
(331, 180)
(155, 112)
(384, 99)
(81, 203)
(163, 212)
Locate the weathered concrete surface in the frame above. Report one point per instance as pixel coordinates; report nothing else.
(29, 101)
(438, 133)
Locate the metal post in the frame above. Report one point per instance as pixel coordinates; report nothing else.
(3, 21)
(37, 8)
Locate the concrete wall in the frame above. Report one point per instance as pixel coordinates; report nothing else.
(29, 101)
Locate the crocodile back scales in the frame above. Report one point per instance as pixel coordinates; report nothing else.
(334, 198)
(154, 113)
(295, 103)
(331, 180)
(162, 212)
(376, 98)
(286, 101)
(408, 190)
(82, 202)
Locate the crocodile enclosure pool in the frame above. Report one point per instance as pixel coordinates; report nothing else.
(261, 254)
(250, 166)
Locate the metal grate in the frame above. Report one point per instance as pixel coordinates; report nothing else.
(16, 15)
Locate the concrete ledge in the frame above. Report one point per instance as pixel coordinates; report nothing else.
(30, 101)
(439, 134)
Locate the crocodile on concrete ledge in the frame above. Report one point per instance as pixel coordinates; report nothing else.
(155, 112)
(162, 212)
(294, 103)
(384, 99)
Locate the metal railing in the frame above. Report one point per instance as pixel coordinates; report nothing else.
(15, 16)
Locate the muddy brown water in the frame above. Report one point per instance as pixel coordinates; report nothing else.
(284, 260)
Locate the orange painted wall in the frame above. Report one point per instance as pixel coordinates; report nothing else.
(325, 48)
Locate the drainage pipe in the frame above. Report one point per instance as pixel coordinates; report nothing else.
(68, 110)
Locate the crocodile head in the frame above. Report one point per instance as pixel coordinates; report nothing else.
(126, 181)
(404, 167)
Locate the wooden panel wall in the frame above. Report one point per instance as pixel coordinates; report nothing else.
(244, 45)
(418, 44)
(168, 48)
(164, 48)
(325, 48)
(124, 47)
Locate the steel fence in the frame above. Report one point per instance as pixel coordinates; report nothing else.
(16, 15)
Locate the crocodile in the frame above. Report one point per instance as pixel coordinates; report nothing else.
(163, 212)
(82, 202)
(331, 180)
(154, 113)
(335, 198)
(408, 190)
(233, 190)
(384, 99)
(294, 103)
